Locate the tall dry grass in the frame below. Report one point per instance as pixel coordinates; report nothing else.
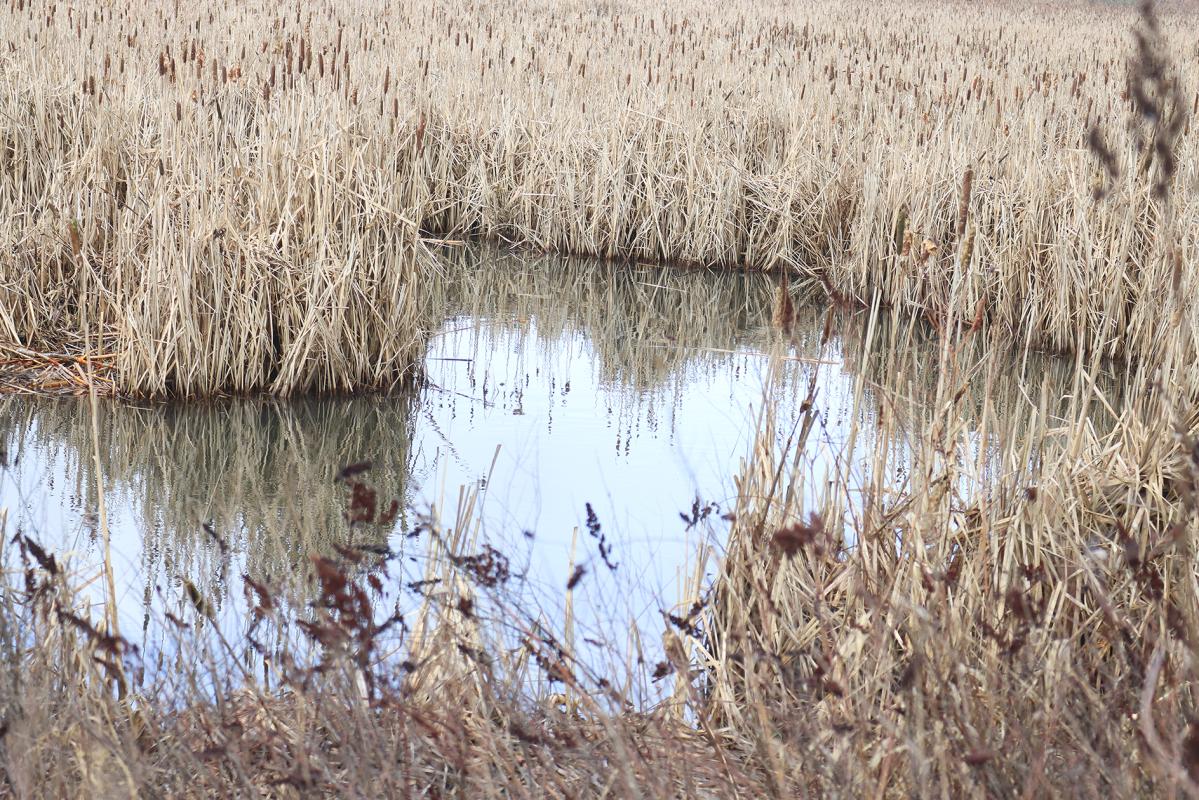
(227, 196)
(964, 632)
(214, 244)
(954, 630)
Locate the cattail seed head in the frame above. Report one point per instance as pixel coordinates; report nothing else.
(964, 207)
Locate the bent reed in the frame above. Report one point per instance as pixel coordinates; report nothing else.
(228, 197)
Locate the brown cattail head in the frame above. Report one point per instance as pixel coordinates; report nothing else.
(900, 229)
(420, 134)
(964, 208)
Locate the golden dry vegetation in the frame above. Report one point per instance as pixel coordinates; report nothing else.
(231, 197)
(227, 196)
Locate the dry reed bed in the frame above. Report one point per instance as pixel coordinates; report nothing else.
(227, 196)
(1028, 631)
(266, 249)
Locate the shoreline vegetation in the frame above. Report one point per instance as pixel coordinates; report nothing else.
(237, 198)
(233, 198)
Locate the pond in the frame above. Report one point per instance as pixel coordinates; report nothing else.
(553, 386)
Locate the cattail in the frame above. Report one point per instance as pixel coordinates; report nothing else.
(964, 208)
(1176, 270)
(899, 230)
(420, 134)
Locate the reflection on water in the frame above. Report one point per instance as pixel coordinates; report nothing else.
(552, 385)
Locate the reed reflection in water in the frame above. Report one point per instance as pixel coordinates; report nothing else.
(633, 390)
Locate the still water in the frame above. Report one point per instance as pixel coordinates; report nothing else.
(551, 385)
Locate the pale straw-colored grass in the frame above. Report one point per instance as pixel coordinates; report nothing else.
(954, 630)
(227, 196)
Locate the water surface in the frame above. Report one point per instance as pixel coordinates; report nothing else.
(552, 386)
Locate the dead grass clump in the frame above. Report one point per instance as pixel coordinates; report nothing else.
(967, 631)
